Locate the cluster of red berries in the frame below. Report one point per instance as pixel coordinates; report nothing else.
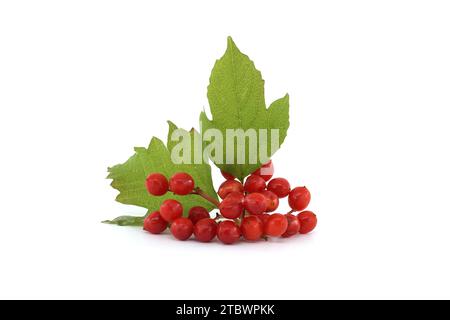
(244, 210)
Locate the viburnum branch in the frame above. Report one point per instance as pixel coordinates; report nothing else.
(204, 195)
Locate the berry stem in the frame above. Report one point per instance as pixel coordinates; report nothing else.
(202, 194)
(242, 217)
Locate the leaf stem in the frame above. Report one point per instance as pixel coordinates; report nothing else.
(204, 195)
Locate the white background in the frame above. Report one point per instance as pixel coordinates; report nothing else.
(82, 82)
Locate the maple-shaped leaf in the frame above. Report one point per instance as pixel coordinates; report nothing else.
(129, 178)
(236, 99)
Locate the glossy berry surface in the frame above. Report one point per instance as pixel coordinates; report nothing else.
(228, 187)
(272, 200)
(182, 228)
(170, 210)
(293, 226)
(205, 230)
(255, 203)
(157, 184)
(254, 183)
(226, 175)
(308, 221)
(276, 225)
(299, 198)
(181, 183)
(266, 171)
(228, 232)
(279, 186)
(232, 206)
(154, 223)
(252, 228)
(197, 213)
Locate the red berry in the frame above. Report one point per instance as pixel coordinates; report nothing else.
(157, 184)
(299, 198)
(266, 171)
(276, 225)
(232, 206)
(252, 228)
(205, 230)
(254, 184)
(170, 210)
(182, 228)
(255, 203)
(263, 217)
(279, 186)
(227, 175)
(272, 200)
(181, 183)
(293, 226)
(228, 232)
(230, 186)
(154, 223)
(308, 221)
(198, 213)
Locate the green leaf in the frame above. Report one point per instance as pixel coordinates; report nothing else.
(129, 178)
(126, 221)
(236, 98)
